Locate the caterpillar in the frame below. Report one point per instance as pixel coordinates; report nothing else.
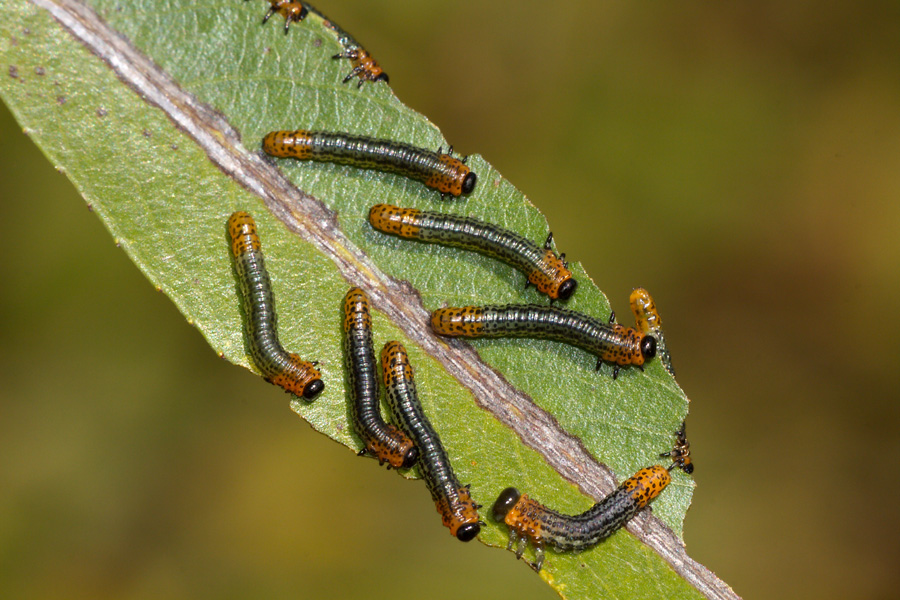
(284, 369)
(681, 453)
(648, 320)
(364, 65)
(292, 11)
(454, 502)
(529, 520)
(440, 171)
(548, 272)
(612, 343)
(382, 440)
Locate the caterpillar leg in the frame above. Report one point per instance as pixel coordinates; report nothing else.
(513, 539)
(538, 557)
(353, 73)
(291, 10)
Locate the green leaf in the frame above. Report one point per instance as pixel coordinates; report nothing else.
(159, 129)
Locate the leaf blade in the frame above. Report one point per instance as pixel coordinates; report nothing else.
(155, 245)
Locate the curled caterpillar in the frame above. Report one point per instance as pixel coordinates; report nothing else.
(529, 520)
(284, 369)
(648, 320)
(382, 440)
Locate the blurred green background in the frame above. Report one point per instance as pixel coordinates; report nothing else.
(742, 162)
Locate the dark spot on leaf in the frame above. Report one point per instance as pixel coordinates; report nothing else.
(39, 71)
(146, 133)
(174, 146)
(13, 71)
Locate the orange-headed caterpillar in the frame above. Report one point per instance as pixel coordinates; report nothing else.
(529, 520)
(440, 171)
(458, 511)
(681, 452)
(612, 343)
(382, 440)
(364, 65)
(284, 369)
(541, 265)
(648, 320)
(291, 10)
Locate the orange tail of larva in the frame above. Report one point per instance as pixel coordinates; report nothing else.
(288, 144)
(395, 220)
(242, 231)
(457, 322)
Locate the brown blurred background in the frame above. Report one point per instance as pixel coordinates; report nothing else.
(741, 162)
